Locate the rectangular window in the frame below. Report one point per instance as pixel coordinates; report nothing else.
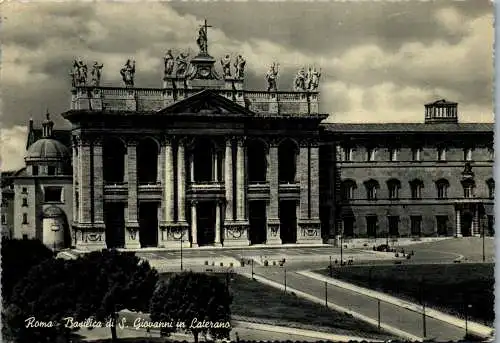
(348, 223)
(468, 154)
(393, 226)
(416, 191)
(25, 201)
(416, 225)
(52, 194)
(348, 154)
(441, 154)
(393, 192)
(393, 154)
(24, 190)
(415, 154)
(25, 236)
(35, 170)
(468, 191)
(51, 170)
(371, 226)
(4, 219)
(25, 218)
(442, 225)
(370, 154)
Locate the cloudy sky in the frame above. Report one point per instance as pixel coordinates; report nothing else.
(380, 61)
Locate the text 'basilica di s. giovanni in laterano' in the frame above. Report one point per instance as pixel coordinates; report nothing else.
(204, 161)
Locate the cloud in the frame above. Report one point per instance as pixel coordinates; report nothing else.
(380, 61)
(12, 147)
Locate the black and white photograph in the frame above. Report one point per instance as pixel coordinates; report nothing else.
(317, 171)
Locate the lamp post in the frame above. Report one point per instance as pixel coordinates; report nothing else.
(484, 256)
(285, 279)
(422, 292)
(331, 273)
(467, 319)
(341, 244)
(182, 241)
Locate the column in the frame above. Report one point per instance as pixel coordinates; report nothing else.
(132, 184)
(161, 164)
(75, 180)
(194, 229)
(240, 180)
(314, 181)
(218, 222)
(273, 221)
(86, 183)
(303, 171)
(181, 183)
(168, 188)
(475, 221)
(216, 164)
(98, 184)
(191, 166)
(458, 229)
(228, 179)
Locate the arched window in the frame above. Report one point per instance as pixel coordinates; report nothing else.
(257, 160)
(114, 152)
(469, 186)
(442, 186)
(203, 160)
(348, 188)
(287, 161)
(416, 188)
(147, 161)
(371, 189)
(491, 188)
(393, 185)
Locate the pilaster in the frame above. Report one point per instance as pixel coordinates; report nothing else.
(74, 163)
(98, 183)
(273, 221)
(303, 171)
(228, 180)
(132, 217)
(168, 188)
(240, 180)
(181, 182)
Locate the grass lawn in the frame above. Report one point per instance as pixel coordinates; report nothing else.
(447, 287)
(252, 299)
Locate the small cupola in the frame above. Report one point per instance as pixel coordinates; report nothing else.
(441, 111)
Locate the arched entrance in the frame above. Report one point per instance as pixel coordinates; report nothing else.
(56, 235)
(205, 222)
(258, 221)
(114, 220)
(148, 224)
(288, 221)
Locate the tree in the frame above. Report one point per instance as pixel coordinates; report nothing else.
(194, 299)
(18, 257)
(110, 281)
(45, 296)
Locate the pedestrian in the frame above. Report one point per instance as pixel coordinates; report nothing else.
(237, 337)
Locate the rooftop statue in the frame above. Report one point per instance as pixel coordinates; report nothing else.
(128, 73)
(226, 66)
(79, 74)
(300, 80)
(272, 76)
(313, 79)
(169, 63)
(202, 40)
(182, 64)
(239, 64)
(96, 74)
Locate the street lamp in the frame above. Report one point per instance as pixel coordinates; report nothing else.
(424, 324)
(466, 320)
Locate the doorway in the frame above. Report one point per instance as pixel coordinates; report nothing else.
(114, 220)
(148, 224)
(205, 222)
(288, 221)
(466, 228)
(258, 222)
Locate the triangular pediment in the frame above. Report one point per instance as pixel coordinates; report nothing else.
(206, 102)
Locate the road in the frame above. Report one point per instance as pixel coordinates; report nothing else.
(395, 316)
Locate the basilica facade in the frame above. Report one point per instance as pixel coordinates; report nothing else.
(204, 161)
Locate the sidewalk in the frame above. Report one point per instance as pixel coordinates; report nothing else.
(473, 327)
(391, 329)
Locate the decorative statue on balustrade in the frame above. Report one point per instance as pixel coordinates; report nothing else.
(239, 64)
(272, 76)
(79, 74)
(96, 74)
(307, 82)
(169, 63)
(226, 66)
(128, 73)
(313, 79)
(182, 64)
(202, 40)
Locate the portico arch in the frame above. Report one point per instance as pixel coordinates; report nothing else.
(114, 151)
(288, 151)
(147, 160)
(203, 163)
(257, 160)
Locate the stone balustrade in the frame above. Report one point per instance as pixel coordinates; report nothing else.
(154, 99)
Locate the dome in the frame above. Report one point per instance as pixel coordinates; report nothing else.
(53, 212)
(47, 149)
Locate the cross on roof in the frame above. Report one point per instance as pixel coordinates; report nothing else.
(206, 26)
